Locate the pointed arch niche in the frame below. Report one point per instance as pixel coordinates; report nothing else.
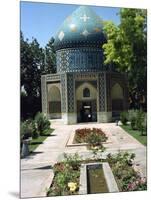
(117, 96)
(54, 102)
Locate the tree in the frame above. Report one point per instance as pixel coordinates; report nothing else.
(35, 61)
(50, 57)
(127, 49)
(32, 63)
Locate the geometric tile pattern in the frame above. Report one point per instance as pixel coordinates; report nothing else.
(102, 91)
(44, 93)
(70, 92)
(108, 92)
(86, 76)
(79, 59)
(63, 93)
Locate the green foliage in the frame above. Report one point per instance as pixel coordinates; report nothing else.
(72, 160)
(138, 121)
(126, 48)
(132, 115)
(42, 122)
(93, 137)
(136, 134)
(124, 117)
(141, 122)
(35, 61)
(66, 172)
(32, 61)
(26, 129)
(128, 179)
(95, 140)
(50, 57)
(35, 133)
(62, 179)
(122, 158)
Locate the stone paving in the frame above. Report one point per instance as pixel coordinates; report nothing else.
(36, 169)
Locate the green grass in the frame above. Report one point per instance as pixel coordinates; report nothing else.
(136, 134)
(34, 143)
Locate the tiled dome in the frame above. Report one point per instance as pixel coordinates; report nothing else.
(82, 28)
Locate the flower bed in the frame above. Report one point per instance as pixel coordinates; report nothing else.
(86, 134)
(67, 174)
(127, 178)
(66, 179)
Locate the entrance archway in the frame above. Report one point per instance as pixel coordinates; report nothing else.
(86, 99)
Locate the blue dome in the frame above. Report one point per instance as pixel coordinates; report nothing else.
(82, 28)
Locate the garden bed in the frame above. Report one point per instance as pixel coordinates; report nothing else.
(67, 179)
(127, 178)
(79, 137)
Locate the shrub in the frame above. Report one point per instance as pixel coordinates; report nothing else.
(26, 129)
(42, 122)
(141, 121)
(35, 133)
(138, 120)
(94, 139)
(133, 123)
(72, 160)
(123, 158)
(124, 117)
(132, 115)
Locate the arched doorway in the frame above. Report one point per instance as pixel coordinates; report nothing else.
(117, 97)
(86, 96)
(54, 102)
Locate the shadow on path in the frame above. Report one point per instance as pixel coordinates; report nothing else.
(38, 168)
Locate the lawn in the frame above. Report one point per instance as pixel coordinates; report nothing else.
(36, 142)
(136, 134)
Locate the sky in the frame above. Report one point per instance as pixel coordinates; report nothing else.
(42, 20)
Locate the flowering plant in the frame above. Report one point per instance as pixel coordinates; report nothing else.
(72, 186)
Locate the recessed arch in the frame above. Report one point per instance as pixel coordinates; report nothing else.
(117, 91)
(82, 87)
(117, 96)
(54, 102)
(86, 100)
(54, 94)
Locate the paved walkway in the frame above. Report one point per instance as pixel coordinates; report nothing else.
(36, 169)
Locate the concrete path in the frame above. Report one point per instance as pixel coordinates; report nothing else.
(36, 169)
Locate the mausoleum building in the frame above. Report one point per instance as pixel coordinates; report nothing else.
(83, 89)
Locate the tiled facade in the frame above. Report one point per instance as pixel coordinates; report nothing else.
(79, 57)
